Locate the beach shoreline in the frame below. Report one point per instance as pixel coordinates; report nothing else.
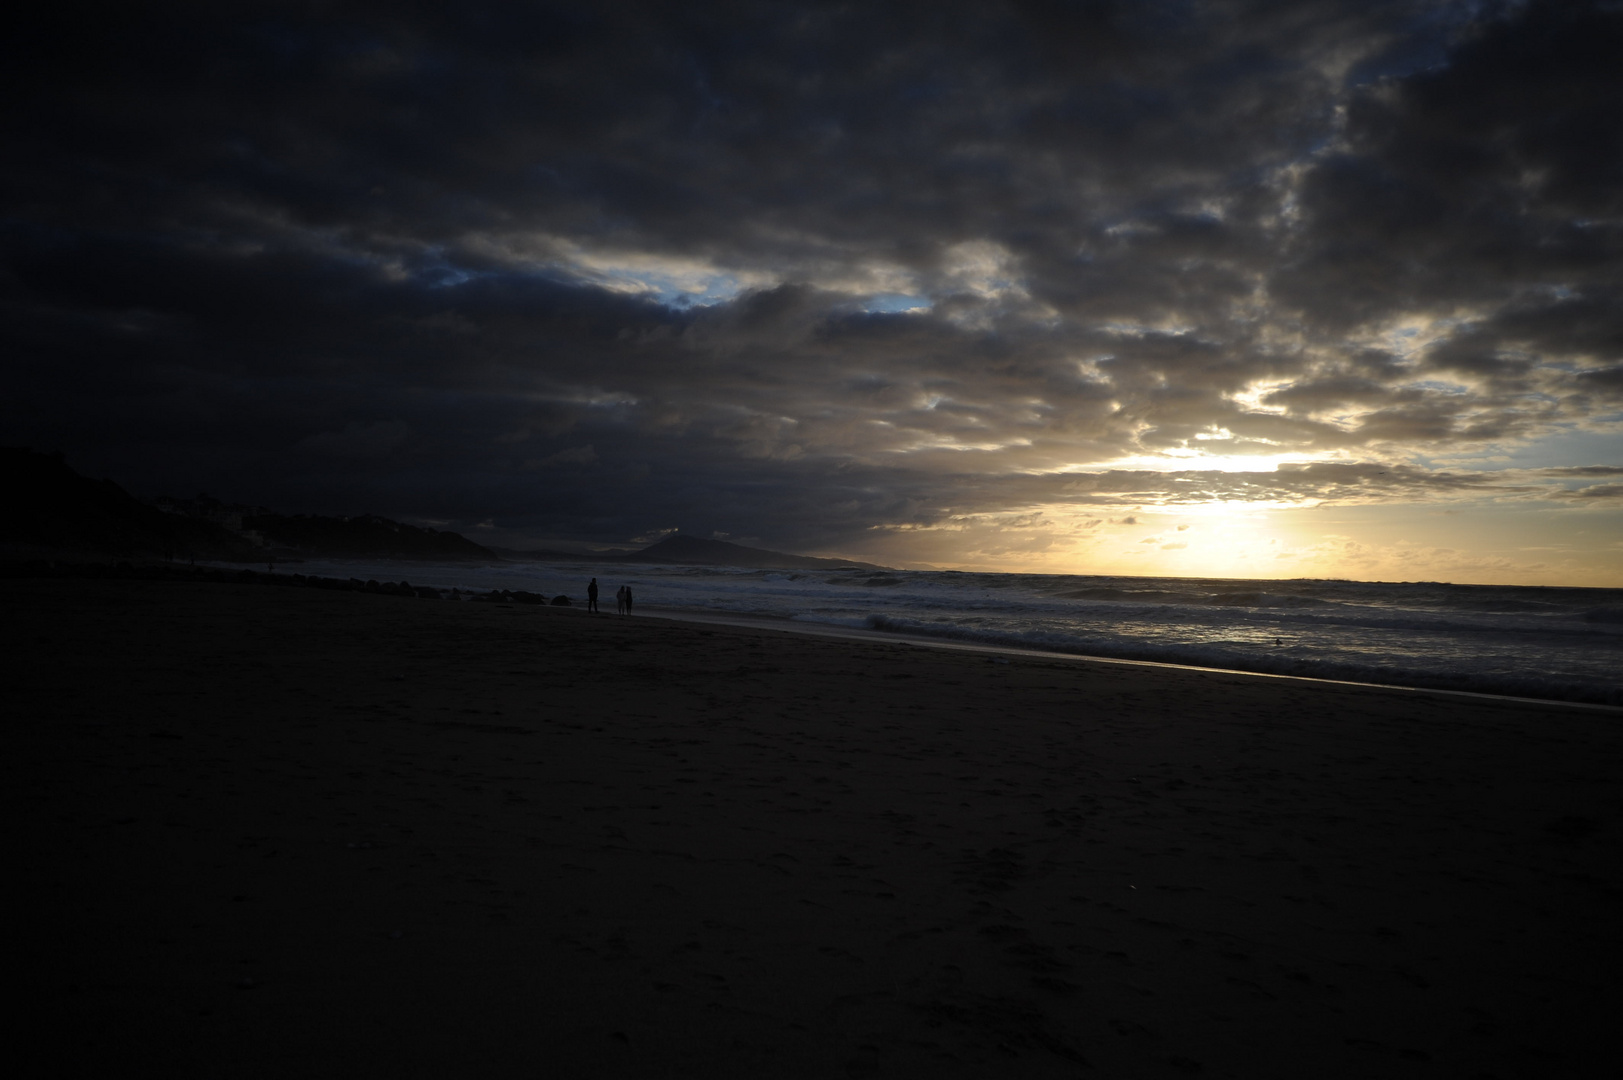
(1603, 697)
(301, 830)
(792, 625)
(1511, 642)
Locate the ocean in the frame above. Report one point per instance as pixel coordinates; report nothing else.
(1562, 644)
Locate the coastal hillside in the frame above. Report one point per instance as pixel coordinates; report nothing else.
(698, 551)
(53, 511)
(56, 510)
(366, 536)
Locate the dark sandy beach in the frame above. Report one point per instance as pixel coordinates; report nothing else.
(278, 832)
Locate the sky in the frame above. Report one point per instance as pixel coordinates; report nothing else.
(1219, 288)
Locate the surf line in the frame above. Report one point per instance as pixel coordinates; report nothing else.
(851, 633)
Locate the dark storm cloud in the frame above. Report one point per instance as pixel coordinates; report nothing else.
(1489, 189)
(1585, 470)
(591, 271)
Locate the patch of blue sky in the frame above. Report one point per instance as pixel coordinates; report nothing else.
(894, 303)
(680, 289)
(445, 277)
(434, 269)
(717, 290)
(1563, 449)
(1438, 386)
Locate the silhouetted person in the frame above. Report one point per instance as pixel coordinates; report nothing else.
(620, 600)
(591, 595)
(628, 599)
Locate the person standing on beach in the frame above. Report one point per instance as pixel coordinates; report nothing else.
(591, 595)
(620, 600)
(628, 599)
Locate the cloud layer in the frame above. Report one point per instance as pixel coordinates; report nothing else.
(808, 273)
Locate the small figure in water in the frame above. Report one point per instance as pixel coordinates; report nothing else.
(591, 595)
(620, 600)
(628, 599)
(1278, 642)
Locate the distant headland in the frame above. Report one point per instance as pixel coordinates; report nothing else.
(680, 550)
(56, 512)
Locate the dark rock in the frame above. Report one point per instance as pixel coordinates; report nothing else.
(561, 601)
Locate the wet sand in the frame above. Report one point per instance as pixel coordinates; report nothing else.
(278, 831)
